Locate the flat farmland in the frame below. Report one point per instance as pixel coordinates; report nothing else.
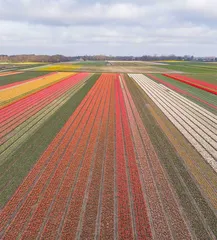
(106, 67)
(108, 150)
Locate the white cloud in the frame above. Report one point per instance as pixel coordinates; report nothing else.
(138, 26)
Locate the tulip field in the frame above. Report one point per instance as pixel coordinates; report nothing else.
(107, 156)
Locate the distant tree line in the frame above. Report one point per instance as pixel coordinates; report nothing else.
(60, 58)
(35, 58)
(147, 58)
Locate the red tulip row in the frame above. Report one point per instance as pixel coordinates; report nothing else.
(179, 90)
(194, 82)
(107, 210)
(151, 164)
(91, 209)
(125, 230)
(55, 147)
(157, 215)
(60, 90)
(69, 212)
(143, 229)
(28, 103)
(59, 189)
(21, 82)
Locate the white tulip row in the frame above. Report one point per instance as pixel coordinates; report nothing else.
(186, 116)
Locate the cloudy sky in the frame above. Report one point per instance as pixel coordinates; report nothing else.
(116, 27)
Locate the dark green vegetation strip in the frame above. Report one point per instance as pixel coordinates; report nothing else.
(206, 96)
(191, 67)
(22, 161)
(185, 187)
(4, 80)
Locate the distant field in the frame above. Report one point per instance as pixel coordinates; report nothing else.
(191, 67)
(103, 66)
(207, 77)
(18, 66)
(60, 67)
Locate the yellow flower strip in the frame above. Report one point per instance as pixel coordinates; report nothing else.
(7, 96)
(60, 67)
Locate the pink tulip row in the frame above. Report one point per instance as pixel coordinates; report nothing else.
(56, 92)
(142, 224)
(158, 191)
(125, 230)
(18, 108)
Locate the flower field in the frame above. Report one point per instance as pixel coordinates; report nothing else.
(60, 67)
(194, 82)
(13, 93)
(110, 156)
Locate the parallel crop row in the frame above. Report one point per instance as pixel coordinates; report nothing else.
(142, 227)
(45, 162)
(55, 202)
(165, 213)
(49, 185)
(192, 126)
(9, 95)
(194, 82)
(13, 136)
(182, 164)
(181, 91)
(25, 81)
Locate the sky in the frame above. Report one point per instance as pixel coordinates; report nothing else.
(115, 27)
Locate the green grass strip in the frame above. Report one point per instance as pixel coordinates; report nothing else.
(4, 80)
(210, 78)
(24, 158)
(189, 68)
(181, 180)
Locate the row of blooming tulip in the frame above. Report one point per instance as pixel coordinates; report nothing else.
(64, 178)
(25, 81)
(20, 130)
(24, 104)
(17, 113)
(101, 176)
(193, 181)
(183, 92)
(125, 230)
(199, 132)
(166, 218)
(107, 223)
(12, 94)
(139, 208)
(47, 164)
(88, 218)
(194, 82)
